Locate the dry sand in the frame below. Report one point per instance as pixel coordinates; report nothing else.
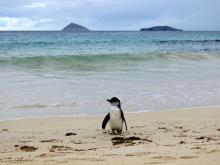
(189, 136)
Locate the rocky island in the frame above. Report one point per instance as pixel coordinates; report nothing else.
(160, 28)
(72, 27)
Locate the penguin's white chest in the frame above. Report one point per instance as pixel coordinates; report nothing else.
(116, 121)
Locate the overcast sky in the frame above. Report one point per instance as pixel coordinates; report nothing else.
(109, 14)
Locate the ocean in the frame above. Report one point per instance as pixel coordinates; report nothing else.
(53, 73)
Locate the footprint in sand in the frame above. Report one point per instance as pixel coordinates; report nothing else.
(188, 157)
(55, 148)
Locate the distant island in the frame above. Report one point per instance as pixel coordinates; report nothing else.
(72, 27)
(160, 28)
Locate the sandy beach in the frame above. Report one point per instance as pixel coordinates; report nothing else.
(190, 136)
(69, 67)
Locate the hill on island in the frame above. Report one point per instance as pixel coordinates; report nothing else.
(72, 27)
(160, 28)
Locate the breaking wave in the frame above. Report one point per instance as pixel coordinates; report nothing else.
(99, 61)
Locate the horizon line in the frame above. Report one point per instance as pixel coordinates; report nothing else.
(103, 31)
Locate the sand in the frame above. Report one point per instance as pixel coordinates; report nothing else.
(190, 136)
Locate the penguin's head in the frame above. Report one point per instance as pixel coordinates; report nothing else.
(114, 101)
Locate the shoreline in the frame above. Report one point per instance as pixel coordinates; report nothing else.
(100, 114)
(158, 137)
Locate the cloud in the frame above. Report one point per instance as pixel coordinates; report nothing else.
(15, 23)
(113, 15)
(36, 5)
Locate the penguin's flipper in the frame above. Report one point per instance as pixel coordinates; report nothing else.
(123, 118)
(105, 121)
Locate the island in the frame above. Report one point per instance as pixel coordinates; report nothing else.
(160, 28)
(72, 27)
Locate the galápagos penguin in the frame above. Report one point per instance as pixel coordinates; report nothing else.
(115, 116)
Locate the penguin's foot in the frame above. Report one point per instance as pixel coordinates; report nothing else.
(116, 132)
(119, 131)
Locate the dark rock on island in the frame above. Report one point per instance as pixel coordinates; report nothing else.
(72, 27)
(160, 28)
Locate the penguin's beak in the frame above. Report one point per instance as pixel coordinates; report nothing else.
(108, 100)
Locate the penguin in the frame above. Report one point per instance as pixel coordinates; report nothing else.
(115, 116)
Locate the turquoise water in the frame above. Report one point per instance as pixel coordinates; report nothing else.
(57, 73)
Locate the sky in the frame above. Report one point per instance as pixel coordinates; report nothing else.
(109, 14)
